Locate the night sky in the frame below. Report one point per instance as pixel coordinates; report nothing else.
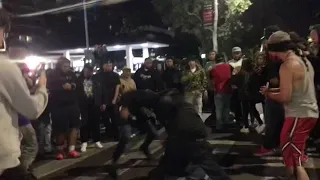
(107, 24)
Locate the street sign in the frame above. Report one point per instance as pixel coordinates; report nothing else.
(208, 14)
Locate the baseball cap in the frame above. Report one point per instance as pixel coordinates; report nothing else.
(126, 69)
(236, 49)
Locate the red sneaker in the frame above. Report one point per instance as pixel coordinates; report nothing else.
(60, 156)
(74, 154)
(264, 152)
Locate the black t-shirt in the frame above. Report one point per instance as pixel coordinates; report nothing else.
(110, 80)
(134, 100)
(272, 71)
(180, 118)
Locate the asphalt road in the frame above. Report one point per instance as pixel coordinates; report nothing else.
(232, 151)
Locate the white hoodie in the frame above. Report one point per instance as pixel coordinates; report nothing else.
(15, 98)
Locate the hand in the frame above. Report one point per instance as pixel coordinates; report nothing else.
(67, 86)
(263, 90)
(42, 82)
(103, 107)
(114, 101)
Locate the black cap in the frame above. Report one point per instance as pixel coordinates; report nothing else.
(220, 58)
(107, 62)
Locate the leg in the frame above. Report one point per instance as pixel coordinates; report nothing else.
(29, 148)
(114, 117)
(45, 137)
(254, 113)
(294, 134)
(95, 123)
(85, 125)
(199, 103)
(274, 118)
(219, 110)
(189, 97)
(125, 133)
(60, 127)
(245, 113)
(226, 109)
(75, 123)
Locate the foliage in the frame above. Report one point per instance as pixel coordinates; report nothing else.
(231, 31)
(186, 16)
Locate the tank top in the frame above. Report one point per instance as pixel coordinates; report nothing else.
(303, 102)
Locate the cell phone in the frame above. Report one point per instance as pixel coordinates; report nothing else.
(37, 73)
(39, 69)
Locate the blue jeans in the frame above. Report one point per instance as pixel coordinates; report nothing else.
(222, 103)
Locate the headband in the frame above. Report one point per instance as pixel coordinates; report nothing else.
(281, 46)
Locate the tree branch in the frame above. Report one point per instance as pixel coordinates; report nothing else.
(192, 14)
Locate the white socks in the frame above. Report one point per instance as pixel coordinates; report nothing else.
(72, 148)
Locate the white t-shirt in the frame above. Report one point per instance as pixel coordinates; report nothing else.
(235, 64)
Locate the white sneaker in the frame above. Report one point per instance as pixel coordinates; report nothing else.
(84, 147)
(260, 129)
(99, 145)
(245, 130)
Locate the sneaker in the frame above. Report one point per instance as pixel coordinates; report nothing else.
(84, 147)
(245, 130)
(98, 145)
(60, 156)
(304, 158)
(264, 152)
(147, 153)
(74, 154)
(261, 128)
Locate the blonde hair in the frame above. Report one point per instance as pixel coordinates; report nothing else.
(279, 36)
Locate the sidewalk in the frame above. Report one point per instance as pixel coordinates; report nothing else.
(52, 166)
(46, 168)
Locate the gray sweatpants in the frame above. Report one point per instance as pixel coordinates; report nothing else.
(29, 146)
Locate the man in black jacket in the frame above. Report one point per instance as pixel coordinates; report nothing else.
(107, 86)
(186, 144)
(147, 77)
(65, 113)
(274, 112)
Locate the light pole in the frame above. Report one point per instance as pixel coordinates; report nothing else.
(85, 17)
(215, 26)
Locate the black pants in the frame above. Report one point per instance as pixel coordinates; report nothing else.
(125, 135)
(249, 107)
(274, 118)
(235, 106)
(110, 118)
(179, 154)
(210, 121)
(90, 120)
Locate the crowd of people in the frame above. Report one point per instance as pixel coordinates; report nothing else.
(58, 106)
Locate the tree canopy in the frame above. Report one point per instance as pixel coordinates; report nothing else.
(186, 16)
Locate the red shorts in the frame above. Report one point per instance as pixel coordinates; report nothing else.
(293, 138)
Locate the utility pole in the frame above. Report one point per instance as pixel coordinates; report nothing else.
(215, 26)
(85, 17)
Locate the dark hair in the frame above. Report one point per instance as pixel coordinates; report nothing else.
(220, 58)
(300, 45)
(5, 19)
(61, 61)
(147, 59)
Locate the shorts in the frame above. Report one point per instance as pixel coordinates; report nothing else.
(65, 118)
(294, 134)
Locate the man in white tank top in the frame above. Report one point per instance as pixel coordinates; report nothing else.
(297, 94)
